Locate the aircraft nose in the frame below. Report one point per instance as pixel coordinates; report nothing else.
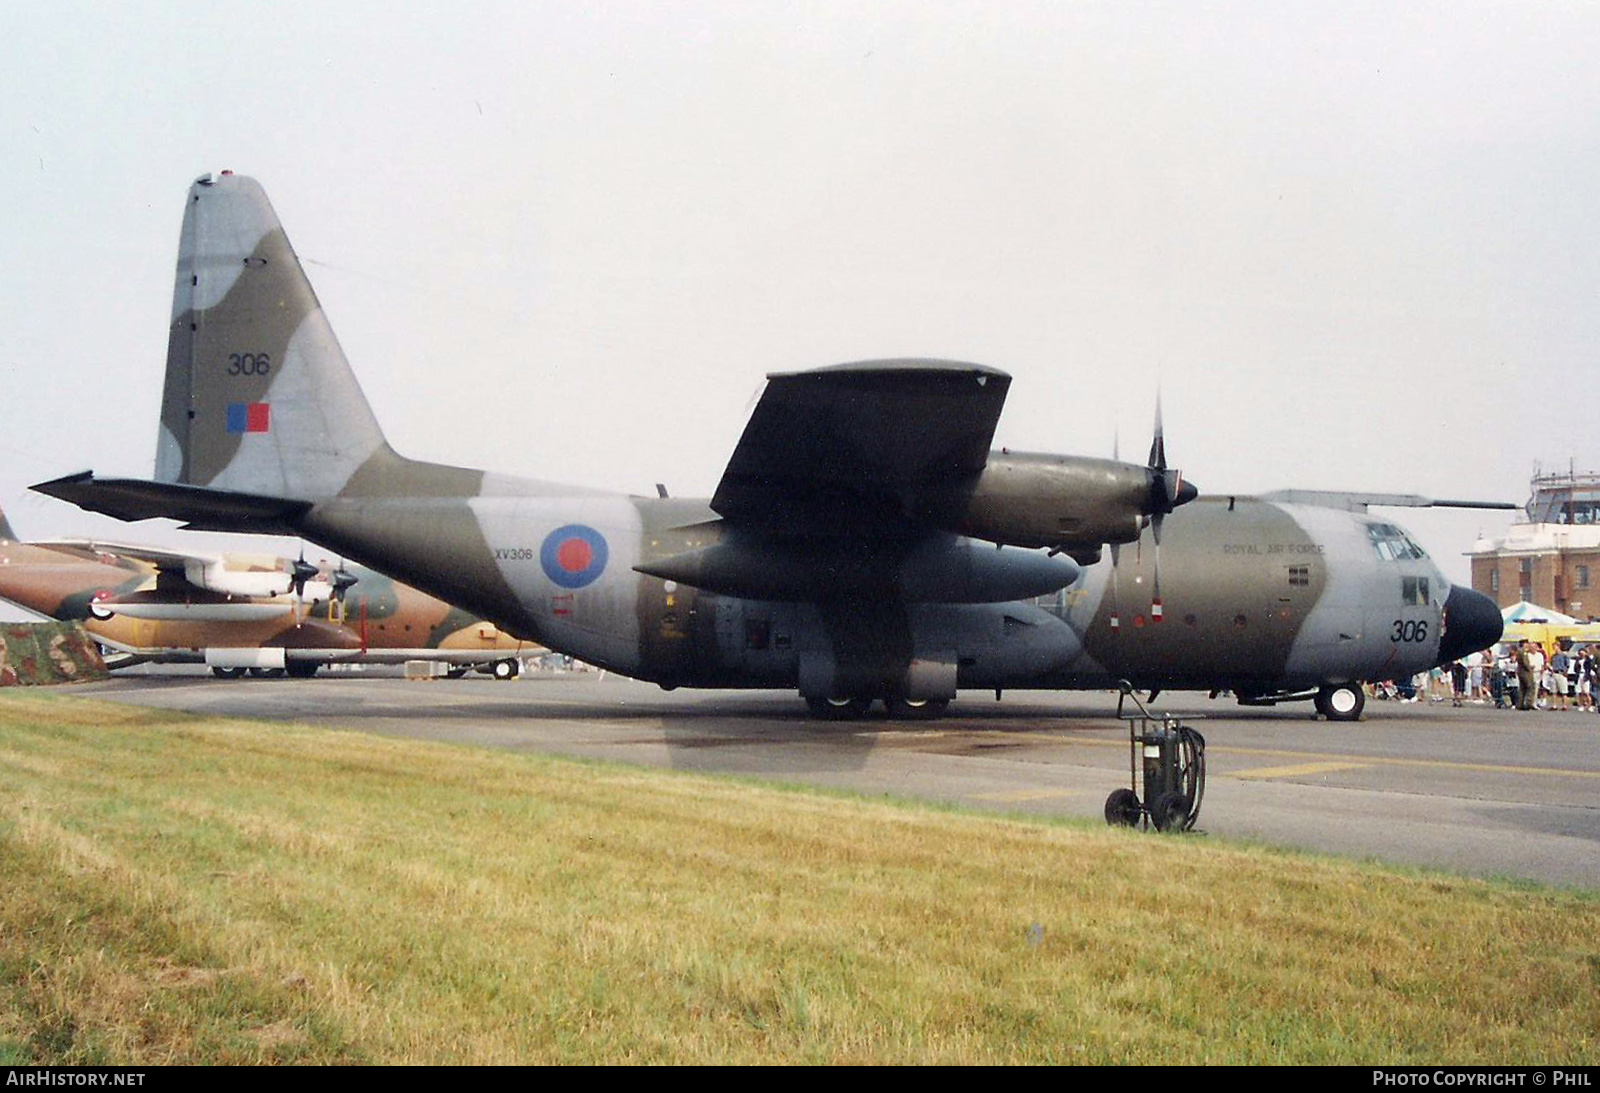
(1472, 622)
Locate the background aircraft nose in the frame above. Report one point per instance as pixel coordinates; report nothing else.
(1472, 622)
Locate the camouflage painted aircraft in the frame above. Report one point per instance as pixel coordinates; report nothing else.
(864, 544)
(239, 612)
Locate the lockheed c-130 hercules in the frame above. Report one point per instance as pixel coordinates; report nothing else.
(864, 543)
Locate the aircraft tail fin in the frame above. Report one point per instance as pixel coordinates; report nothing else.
(6, 534)
(259, 398)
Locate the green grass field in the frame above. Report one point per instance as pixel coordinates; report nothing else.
(182, 890)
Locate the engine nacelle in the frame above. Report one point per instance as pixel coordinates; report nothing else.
(252, 577)
(217, 576)
(939, 568)
(1064, 502)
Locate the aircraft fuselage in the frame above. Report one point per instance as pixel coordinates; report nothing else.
(1258, 598)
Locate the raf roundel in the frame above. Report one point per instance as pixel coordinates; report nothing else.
(573, 556)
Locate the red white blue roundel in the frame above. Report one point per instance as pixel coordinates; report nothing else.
(573, 556)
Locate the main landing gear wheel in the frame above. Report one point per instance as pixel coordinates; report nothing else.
(506, 669)
(227, 673)
(917, 709)
(302, 669)
(1122, 808)
(1343, 702)
(839, 709)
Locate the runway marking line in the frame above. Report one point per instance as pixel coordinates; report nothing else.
(1300, 771)
(1311, 757)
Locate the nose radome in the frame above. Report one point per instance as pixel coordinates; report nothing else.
(1471, 622)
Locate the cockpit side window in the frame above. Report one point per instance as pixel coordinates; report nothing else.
(1414, 591)
(1392, 544)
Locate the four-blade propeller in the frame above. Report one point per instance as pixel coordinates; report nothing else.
(1168, 490)
(302, 572)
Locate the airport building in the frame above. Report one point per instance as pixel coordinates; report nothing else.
(1552, 558)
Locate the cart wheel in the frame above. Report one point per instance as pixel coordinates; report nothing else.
(1170, 812)
(1122, 808)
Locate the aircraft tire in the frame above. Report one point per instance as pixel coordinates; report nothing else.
(506, 669)
(1170, 812)
(302, 669)
(1122, 808)
(1343, 702)
(227, 673)
(839, 709)
(917, 709)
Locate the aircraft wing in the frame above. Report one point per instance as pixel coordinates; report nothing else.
(1358, 502)
(155, 556)
(860, 448)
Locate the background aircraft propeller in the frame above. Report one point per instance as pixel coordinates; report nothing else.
(300, 572)
(343, 579)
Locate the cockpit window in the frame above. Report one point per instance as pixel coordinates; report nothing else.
(1392, 544)
(1414, 591)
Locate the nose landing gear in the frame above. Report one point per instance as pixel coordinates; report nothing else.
(1341, 702)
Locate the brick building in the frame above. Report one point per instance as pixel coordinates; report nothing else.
(1552, 559)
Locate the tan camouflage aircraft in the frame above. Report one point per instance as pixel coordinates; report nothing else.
(864, 544)
(239, 612)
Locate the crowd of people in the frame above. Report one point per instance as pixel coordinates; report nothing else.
(1512, 675)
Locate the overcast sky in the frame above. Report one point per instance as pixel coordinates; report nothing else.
(1354, 244)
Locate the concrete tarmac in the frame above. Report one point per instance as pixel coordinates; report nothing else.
(1472, 790)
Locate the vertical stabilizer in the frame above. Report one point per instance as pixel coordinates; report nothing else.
(6, 534)
(259, 397)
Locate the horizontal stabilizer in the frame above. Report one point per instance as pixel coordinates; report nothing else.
(1358, 502)
(199, 507)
